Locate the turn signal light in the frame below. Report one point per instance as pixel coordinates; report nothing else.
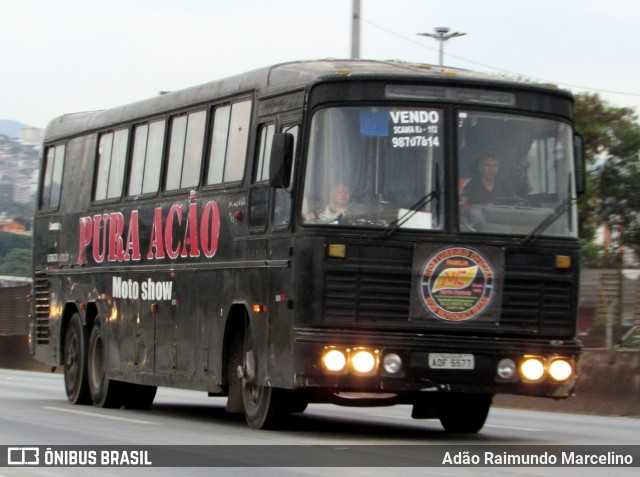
(563, 261)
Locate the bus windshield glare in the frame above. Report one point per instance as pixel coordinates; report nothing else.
(379, 166)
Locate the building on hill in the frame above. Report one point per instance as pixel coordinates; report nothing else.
(10, 225)
(30, 136)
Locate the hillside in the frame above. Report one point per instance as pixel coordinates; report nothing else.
(11, 128)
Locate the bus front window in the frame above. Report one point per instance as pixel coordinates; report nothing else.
(514, 174)
(374, 167)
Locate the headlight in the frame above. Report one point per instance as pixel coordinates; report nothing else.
(335, 360)
(532, 369)
(560, 369)
(363, 361)
(506, 369)
(392, 363)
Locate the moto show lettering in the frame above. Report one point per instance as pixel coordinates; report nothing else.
(114, 238)
(147, 290)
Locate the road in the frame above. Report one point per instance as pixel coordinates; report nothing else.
(34, 411)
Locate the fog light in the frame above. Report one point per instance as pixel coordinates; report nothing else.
(363, 361)
(392, 363)
(334, 360)
(560, 369)
(532, 369)
(506, 369)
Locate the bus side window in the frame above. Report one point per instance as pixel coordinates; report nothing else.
(112, 155)
(282, 198)
(264, 154)
(52, 180)
(185, 150)
(259, 200)
(229, 142)
(146, 158)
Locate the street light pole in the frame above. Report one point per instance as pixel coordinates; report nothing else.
(442, 34)
(355, 30)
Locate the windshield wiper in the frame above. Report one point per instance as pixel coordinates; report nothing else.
(548, 220)
(400, 221)
(413, 210)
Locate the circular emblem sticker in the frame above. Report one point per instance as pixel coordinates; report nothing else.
(456, 284)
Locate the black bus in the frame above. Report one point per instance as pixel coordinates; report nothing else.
(353, 232)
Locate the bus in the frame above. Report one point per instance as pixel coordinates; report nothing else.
(362, 233)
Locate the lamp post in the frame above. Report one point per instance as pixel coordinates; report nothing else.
(355, 30)
(442, 34)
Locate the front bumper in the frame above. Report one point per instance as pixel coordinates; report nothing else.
(418, 374)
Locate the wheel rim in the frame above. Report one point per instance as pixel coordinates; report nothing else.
(254, 394)
(95, 363)
(72, 359)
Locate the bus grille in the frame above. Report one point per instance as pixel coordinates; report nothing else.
(353, 296)
(535, 305)
(529, 305)
(41, 309)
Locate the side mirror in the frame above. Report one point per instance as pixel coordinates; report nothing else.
(281, 160)
(578, 157)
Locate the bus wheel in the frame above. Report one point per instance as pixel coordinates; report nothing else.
(263, 405)
(104, 392)
(463, 413)
(75, 362)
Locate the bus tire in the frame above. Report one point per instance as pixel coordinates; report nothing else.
(76, 383)
(105, 392)
(463, 413)
(263, 405)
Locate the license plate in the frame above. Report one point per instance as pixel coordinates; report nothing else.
(451, 361)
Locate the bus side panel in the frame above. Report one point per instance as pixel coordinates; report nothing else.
(282, 306)
(54, 237)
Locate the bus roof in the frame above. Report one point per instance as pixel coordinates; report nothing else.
(267, 81)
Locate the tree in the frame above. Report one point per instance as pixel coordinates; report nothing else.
(612, 151)
(17, 263)
(9, 241)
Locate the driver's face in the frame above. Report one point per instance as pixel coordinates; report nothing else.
(340, 195)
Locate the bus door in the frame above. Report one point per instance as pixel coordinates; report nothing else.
(270, 219)
(281, 279)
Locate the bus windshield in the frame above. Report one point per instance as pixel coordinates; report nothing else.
(384, 166)
(515, 175)
(373, 166)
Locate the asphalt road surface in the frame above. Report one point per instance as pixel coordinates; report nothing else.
(34, 412)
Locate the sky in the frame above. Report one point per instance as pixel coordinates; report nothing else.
(62, 56)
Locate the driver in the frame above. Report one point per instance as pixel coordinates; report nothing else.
(338, 203)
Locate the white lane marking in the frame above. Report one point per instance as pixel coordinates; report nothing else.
(513, 428)
(392, 416)
(93, 414)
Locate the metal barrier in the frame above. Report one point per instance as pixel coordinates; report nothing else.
(14, 310)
